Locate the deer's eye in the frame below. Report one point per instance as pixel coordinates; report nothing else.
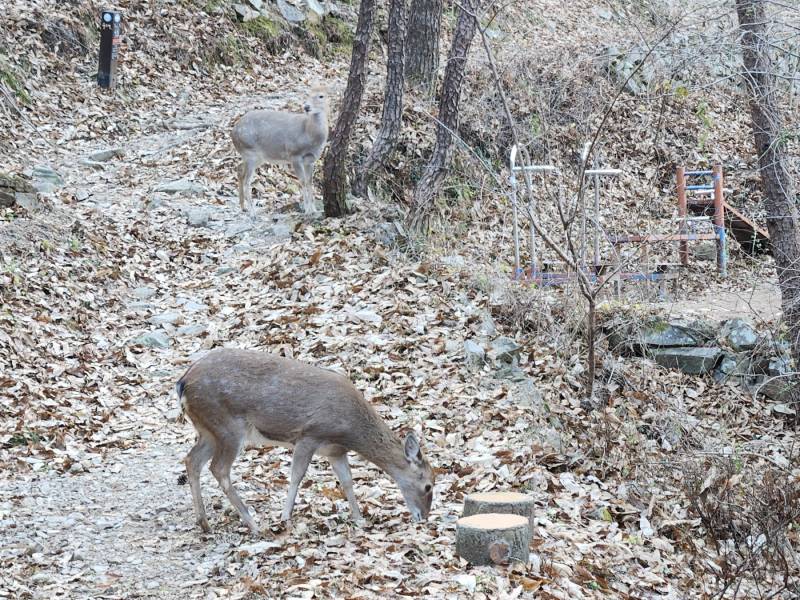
(428, 488)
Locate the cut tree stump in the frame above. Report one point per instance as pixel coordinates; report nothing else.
(493, 538)
(499, 502)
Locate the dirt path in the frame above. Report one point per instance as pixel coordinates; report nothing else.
(110, 532)
(762, 304)
(121, 527)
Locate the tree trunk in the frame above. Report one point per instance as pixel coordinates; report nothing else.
(422, 42)
(392, 118)
(431, 181)
(334, 187)
(783, 221)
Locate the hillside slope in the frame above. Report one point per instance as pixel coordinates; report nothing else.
(115, 287)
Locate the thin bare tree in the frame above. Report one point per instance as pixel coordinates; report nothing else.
(392, 117)
(334, 187)
(431, 181)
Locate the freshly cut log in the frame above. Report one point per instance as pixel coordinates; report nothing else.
(493, 538)
(499, 502)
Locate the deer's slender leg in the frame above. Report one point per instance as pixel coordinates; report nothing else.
(249, 168)
(299, 167)
(195, 461)
(308, 162)
(303, 451)
(228, 447)
(342, 469)
(240, 180)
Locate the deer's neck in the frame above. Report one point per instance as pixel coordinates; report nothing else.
(316, 126)
(379, 445)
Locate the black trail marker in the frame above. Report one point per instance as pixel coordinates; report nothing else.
(110, 25)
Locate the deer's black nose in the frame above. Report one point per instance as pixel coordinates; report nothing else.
(307, 107)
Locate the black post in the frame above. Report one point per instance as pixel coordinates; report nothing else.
(110, 22)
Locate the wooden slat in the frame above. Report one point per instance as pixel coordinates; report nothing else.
(751, 237)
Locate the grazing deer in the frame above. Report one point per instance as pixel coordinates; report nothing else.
(268, 136)
(234, 397)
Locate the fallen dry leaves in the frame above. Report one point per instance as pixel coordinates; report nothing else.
(89, 453)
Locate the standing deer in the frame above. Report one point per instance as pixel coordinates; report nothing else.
(268, 136)
(235, 397)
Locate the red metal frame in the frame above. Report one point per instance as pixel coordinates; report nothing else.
(683, 249)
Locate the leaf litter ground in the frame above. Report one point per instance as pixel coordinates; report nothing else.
(89, 505)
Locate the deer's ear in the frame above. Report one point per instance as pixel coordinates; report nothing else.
(412, 449)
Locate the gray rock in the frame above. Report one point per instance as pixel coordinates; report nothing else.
(28, 201)
(661, 334)
(291, 13)
(107, 154)
(183, 187)
(197, 217)
(526, 393)
(225, 269)
(775, 388)
(192, 330)
(732, 366)
(316, 8)
(154, 203)
(510, 371)
(245, 13)
(705, 251)
(693, 361)
(702, 331)
(170, 318)
(739, 334)
(282, 230)
(474, 355)
(488, 327)
(504, 349)
(785, 410)
(629, 338)
(779, 366)
(154, 339)
(454, 260)
(46, 179)
(256, 4)
(193, 306)
(82, 194)
(143, 293)
(622, 68)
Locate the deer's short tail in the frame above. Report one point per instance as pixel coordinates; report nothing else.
(180, 386)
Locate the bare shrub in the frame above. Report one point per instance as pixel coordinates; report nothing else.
(748, 516)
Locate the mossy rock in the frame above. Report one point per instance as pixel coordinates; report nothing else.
(228, 50)
(12, 80)
(328, 36)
